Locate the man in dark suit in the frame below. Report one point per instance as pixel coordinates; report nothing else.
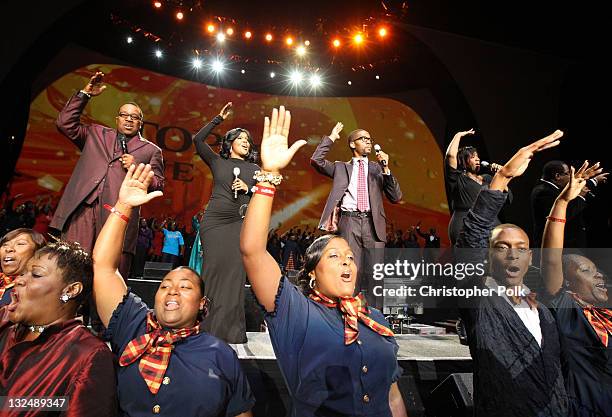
(354, 207)
(555, 175)
(101, 169)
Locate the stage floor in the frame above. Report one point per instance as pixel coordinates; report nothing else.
(411, 347)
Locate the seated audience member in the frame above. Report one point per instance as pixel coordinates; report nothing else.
(16, 249)
(167, 364)
(45, 350)
(513, 339)
(579, 301)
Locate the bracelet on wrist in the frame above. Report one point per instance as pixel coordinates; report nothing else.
(113, 210)
(555, 219)
(86, 94)
(265, 176)
(263, 190)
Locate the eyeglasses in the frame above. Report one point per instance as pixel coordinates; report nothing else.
(365, 139)
(125, 116)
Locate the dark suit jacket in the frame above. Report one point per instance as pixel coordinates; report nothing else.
(341, 174)
(99, 163)
(543, 197)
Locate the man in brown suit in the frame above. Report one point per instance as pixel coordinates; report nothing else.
(357, 217)
(101, 169)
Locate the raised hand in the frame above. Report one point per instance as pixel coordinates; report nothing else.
(275, 151)
(225, 111)
(335, 133)
(94, 87)
(575, 185)
(517, 165)
(464, 133)
(133, 191)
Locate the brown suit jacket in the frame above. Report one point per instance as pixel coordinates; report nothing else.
(378, 183)
(99, 164)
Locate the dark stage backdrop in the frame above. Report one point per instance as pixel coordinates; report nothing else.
(175, 109)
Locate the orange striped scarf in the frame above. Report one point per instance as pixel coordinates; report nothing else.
(352, 309)
(599, 318)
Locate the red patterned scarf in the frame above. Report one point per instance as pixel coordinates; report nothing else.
(6, 282)
(352, 309)
(154, 349)
(599, 318)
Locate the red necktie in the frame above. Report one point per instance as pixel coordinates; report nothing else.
(362, 194)
(352, 309)
(154, 349)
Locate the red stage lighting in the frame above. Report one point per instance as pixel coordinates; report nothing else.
(229, 31)
(382, 32)
(269, 37)
(248, 34)
(358, 39)
(180, 15)
(289, 40)
(336, 43)
(210, 28)
(157, 4)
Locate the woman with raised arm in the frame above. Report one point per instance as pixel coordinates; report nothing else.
(337, 355)
(463, 181)
(167, 364)
(579, 301)
(45, 351)
(222, 271)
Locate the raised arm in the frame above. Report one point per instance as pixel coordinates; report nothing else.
(551, 265)
(109, 287)
(69, 119)
(261, 268)
(453, 148)
(199, 140)
(317, 160)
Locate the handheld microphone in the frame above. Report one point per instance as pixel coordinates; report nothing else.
(377, 149)
(236, 173)
(123, 142)
(491, 166)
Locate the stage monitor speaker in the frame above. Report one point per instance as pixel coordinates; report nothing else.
(454, 396)
(410, 395)
(145, 289)
(156, 270)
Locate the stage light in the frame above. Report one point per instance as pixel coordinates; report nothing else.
(158, 53)
(210, 28)
(350, 83)
(220, 37)
(197, 63)
(180, 15)
(157, 4)
(217, 66)
(248, 34)
(289, 40)
(307, 43)
(242, 71)
(129, 39)
(272, 75)
(336, 43)
(315, 81)
(378, 77)
(269, 37)
(358, 39)
(229, 31)
(382, 32)
(300, 50)
(296, 77)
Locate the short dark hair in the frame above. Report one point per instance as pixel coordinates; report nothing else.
(38, 239)
(352, 137)
(552, 168)
(228, 140)
(463, 156)
(313, 255)
(75, 264)
(135, 105)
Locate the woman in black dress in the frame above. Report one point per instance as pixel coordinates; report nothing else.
(222, 269)
(463, 181)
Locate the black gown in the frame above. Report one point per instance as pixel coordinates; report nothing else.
(222, 269)
(462, 192)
